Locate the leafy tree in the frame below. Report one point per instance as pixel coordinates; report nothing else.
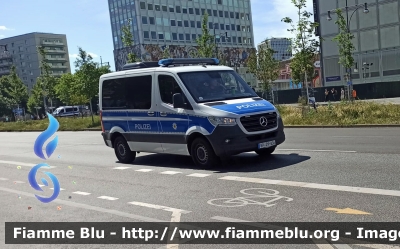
(206, 42)
(166, 53)
(304, 45)
(345, 43)
(87, 75)
(48, 81)
(68, 90)
(36, 98)
(13, 89)
(127, 40)
(263, 65)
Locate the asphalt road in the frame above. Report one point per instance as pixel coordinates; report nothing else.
(314, 170)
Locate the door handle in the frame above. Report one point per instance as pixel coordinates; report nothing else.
(163, 114)
(150, 113)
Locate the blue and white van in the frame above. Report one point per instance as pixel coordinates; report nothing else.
(190, 107)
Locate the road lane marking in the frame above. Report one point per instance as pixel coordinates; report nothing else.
(175, 217)
(170, 172)
(3, 179)
(23, 164)
(341, 151)
(144, 170)
(376, 246)
(198, 175)
(60, 189)
(347, 211)
(321, 246)
(324, 244)
(19, 182)
(107, 198)
(143, 204)
(361, 190)
(89, 207)
(122, 168)
(81, 193)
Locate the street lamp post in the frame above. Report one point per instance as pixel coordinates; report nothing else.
(215, 40)
(101, 62)
(348, 21)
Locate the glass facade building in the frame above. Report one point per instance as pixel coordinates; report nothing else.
(281, 46)
(377, 41)
(176, 24)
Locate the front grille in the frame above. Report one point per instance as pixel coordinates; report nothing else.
(252, 123)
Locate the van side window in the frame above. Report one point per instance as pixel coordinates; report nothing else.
(138, 92)
(68, 110)
(114, 94)
(168, 87)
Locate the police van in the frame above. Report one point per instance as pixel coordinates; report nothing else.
(192, 107)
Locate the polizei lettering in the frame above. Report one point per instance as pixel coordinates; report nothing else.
(249, 105)
(142, 126)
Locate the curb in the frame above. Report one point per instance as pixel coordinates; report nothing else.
(286, 126)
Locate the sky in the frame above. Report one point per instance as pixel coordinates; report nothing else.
(87, 22)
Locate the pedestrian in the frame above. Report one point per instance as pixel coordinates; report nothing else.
(333, 94)
(342, 94)
(326, 95)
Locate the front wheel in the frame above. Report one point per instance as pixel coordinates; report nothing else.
(203, 154)
(266, 152)
(122, 151)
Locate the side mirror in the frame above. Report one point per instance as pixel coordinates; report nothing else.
(178, 101)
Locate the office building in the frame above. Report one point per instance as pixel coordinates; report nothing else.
(22, 50)
(177, 23)
(281, 47)
(377, 41)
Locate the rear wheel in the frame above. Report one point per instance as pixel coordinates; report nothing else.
(203, 154)
(266, 152)
(122, 150)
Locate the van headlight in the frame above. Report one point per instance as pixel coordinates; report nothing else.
(222, 121)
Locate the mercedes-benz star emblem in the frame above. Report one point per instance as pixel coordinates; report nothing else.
(263, 121)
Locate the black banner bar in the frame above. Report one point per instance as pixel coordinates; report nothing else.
(200, 233)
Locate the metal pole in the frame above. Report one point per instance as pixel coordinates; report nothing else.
(348, 70)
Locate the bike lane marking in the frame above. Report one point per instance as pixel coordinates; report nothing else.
(361, 190)
(249, 198)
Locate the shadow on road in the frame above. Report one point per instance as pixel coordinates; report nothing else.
(246, 162)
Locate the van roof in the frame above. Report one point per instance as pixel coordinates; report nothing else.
(180, 69)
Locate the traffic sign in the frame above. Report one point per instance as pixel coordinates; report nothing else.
(349, 83)
(317, 64)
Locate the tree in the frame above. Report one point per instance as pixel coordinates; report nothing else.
(13, 92)
(166, 53)
(345, 43)
(36, 98)
(127, 40)
(304, 45)
(68, 90)
(206, 42)
(87, 76)
(264, 66)
(48, 81)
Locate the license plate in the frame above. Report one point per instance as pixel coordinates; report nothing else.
(266, 144)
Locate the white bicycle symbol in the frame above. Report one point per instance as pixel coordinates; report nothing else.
(255, 193)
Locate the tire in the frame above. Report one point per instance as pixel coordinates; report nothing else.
(122, 150)
(266, 152)
(203, 154)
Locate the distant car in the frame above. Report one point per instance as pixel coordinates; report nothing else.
(66, 111)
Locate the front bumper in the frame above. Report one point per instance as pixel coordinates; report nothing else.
(107, 138)
(241, 142)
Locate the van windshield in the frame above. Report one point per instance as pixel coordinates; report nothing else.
(208, 86)
(56, 111)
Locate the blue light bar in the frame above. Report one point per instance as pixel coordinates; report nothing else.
(186, 61)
